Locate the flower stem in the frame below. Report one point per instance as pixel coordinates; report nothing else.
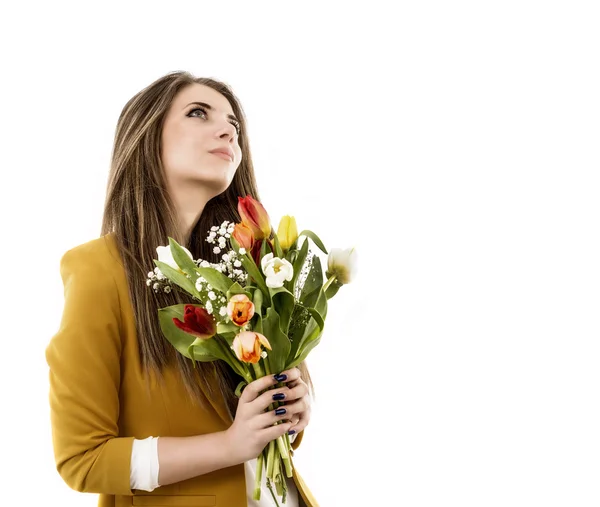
(270, 459)
(329, 282)
(283, 452)
(272, 494)
(258, 480)
(233, 361)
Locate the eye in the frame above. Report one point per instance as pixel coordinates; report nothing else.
(236, 124)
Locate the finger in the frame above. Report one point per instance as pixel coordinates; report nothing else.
(283, 395)
(256, 387)
(277, 414)
(291, 375)
(273, 432)
(277, 395)
(302, 422)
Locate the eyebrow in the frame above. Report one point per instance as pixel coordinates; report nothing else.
(210, 108)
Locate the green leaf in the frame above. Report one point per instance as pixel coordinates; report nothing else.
(311, 333)
(291, 255)
(315, 238)
(227, 327)
(321, 305)
(315, 327)
(314, 281)
(178, 338)
(253, 271)
(311, 345)
(236, 289)
(217, 279)
(263, 248)
(182, 259)
(278, 250)
(258, 327)
(234, 245)
(258, 301)
(177, 278)
(283, 301)
(332, 289)
(318, 318)
(299, 262)
(280, 343)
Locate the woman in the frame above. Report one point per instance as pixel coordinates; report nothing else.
(131, 418)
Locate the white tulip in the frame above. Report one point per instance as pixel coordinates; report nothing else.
(164, 255)
(276, 270)
(342, 264)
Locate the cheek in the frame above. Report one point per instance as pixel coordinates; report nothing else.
(180, 148)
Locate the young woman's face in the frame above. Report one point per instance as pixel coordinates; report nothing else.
(191, 131)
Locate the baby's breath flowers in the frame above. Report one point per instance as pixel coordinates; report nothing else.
(230, 265)
(158, 281)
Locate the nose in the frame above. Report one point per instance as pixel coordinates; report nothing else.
(227, 130)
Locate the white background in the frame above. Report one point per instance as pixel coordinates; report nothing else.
(455, 144)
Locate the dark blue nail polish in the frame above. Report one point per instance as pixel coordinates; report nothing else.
(279, 396)
(291, 432)
(281, 377)
(280, 411)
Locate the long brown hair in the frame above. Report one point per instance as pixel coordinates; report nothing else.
(140, 213)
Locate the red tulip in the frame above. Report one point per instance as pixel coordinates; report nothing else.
(197, 322)
(255, 217)
(243, 235)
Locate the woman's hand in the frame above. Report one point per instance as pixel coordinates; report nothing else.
(253, 428)
(301, 418)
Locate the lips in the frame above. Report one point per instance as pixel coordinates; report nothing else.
(225, 153)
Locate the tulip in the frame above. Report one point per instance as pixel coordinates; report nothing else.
(240, 309)
(341, 264)
(243, 235)
(246, 346)
(197, 322)
(276, 270)
(287, 232)
(165, 255)
(255, 217)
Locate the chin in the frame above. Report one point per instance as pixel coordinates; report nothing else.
(217, 185)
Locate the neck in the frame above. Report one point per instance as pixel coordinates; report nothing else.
(190, 202)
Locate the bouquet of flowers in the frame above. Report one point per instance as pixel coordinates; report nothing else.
(262, 309)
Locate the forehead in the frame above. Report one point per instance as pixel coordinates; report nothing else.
(200, 93)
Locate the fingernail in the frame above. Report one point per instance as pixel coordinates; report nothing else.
(281, 377)
(291, 432)
(279, 396)
(280, 411)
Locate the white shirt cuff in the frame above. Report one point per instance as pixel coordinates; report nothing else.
(144, 464)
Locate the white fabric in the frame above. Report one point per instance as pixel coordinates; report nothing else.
(145, 467)
(144, 464)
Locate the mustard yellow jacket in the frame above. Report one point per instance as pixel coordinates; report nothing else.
(98, 397)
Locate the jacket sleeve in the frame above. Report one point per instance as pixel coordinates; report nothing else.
(294, 445)
(84, 361)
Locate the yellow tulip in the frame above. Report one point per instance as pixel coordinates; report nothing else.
(287, 232)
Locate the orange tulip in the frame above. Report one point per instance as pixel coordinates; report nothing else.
(246, 346)
(243, 235)
(255, 217)
(240, 309)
